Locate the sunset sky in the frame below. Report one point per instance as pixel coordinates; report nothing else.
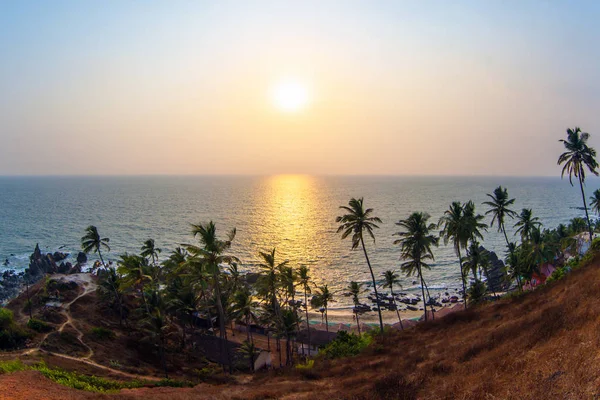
(318, 87)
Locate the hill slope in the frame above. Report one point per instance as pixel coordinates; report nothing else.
(539, 345)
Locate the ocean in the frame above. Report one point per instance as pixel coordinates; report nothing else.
(293, 213)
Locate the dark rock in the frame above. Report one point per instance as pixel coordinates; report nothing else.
(59, 256)
(76, 269)
(81, 258)
(40, 264)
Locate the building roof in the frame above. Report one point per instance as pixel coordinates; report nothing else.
(317, 337)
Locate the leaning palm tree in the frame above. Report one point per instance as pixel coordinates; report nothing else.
(212, 255)
(595, 201)
(499, 208)
(92, 242)
(355, 222)
(415, 243)
(526, 224)
(456, 229)
(578, 156)
(304, 281)
(391, 278)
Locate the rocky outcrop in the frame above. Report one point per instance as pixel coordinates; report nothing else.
(40, 264)
(58, 256)
(497, 280)
(81, 258)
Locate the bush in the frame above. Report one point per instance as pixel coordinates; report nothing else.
(11, 336)
(6, 318)
(558, 274)
(103, 333)
(345, 345)
(6, 367)
(476, 292)
(38, 326)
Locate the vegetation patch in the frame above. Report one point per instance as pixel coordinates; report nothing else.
(346, 345)
(11, 335)
(103, 333)
(85, 382)
(38, 326)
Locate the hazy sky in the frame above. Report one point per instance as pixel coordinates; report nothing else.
(395, 87)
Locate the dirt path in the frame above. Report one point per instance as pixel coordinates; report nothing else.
(85, 281)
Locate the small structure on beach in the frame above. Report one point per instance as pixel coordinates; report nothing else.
(317, 338)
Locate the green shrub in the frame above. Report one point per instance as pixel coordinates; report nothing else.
(345, 345)
(309, 365)
(6, 318)
(38, 326)
(476, 292)
(558, 274)
(103, 333)
(6, 367)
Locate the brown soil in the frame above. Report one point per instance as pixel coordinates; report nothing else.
(542, 345)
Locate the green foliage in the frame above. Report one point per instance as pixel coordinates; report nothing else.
(595, 245)
(6, 318)
(11, 336)
(308, 366)
(38, 326)
(6, 367)
(476, 292)
(345, 345)
(84, 382)
(102, 333)
(558, 274)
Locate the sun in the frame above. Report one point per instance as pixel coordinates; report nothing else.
(290, 95)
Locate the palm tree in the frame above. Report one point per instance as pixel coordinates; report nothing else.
(526, 224)
(156, 324)
(304, 281)
(244, 307)
(473, 221)
(456, 228)
(212, 255)
(475, 259)
(391, 278)
(416, 242)
(321, 299)
(134, 269)
(91, 242)
(111, 289)
(355, 222)
(248, 349)
(595, 201)
(578, 156)
(149, 250)
(354, 290)
(499, 209)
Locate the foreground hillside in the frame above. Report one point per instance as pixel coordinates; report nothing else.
(538, 345)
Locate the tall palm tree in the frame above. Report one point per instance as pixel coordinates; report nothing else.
(595, 201)
(578, 156)
(212, 253)
(415, 243)
(354, 291)
(149, 250)
(499, 208)
(391, 278)
(526, 224)
(355, 222)
(248, 349)
(92, 242)
(322, 298)
(304, 281)
(456, 228)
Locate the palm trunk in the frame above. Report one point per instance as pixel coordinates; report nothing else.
(326, 321)
(396, 306)
(358, 324)
(587, 217)
(423, 291)
(462, 275)
(512, 256)
(362, 242)
(222, 331)
(114, 289)
(248, 328)
(307, 320)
